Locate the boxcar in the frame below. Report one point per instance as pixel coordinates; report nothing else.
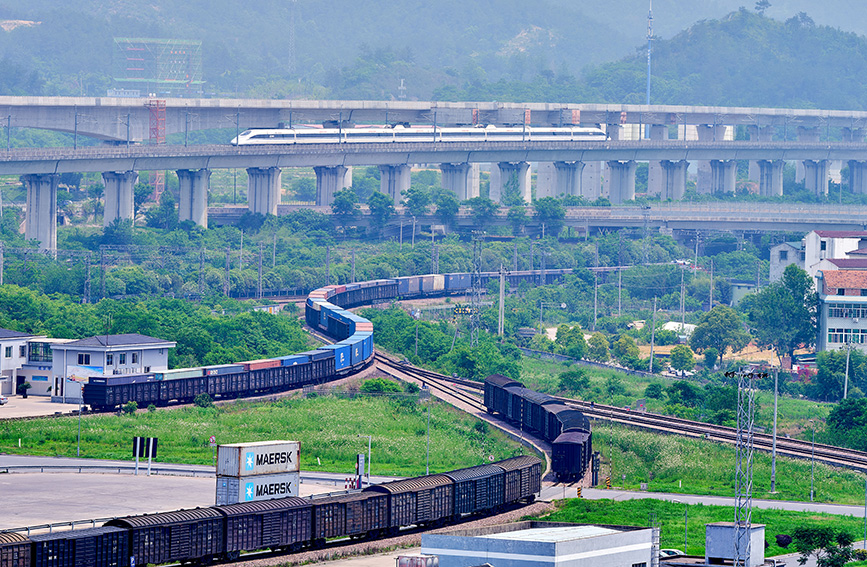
(417, 501)
(496, 397)
(570, 454)
(477, 489)
(183, 535)
(352, 515)
(14, 550)
(94, 547)
(284, 523)
(522, 479)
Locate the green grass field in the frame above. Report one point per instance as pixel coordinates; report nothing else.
(671, 516)
(328, 428)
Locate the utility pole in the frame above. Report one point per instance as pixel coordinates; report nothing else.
(595, 298)
(682, 306)
(353, 266)
(501, 324)
(274, 252)
(102, 272)
(476, 283)
(774, 441)
(649, 43)
(710, 303)
(202, 272)
(515, 258)
(86, 298)
(2, 261)
(241, 253)
(259, 284)
(328, 265)
(652, 335)
(846, 380)
(227, 283)
(620, 290)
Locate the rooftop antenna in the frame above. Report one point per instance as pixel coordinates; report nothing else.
(649, 41)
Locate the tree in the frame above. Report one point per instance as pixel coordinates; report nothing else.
(550, 212)
(761, 6)
(830, 548)
(598, 347)
(345, 205)
(141, 193)
(417, 199)
(511, 195)
(517, 216)
(574, 381)
(720, 328)
(782, 316)
(570, 341)
(447, 206)
(304, 189)
(120, 231)
(625, 351)
(483, 208)
(381, 209)
(164, 215)
(654, 391)
(710, 357)
(682, 358)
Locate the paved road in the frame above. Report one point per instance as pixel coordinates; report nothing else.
(33, 406)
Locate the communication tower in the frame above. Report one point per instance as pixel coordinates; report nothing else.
(744, 468)
(164, 67)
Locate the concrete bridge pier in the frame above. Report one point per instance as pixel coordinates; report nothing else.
(119, 189)
(505, 171)
(330, 180)
(621, 181)
(655, 173)
(462, 179)
(673, 179)
(591, 180)
(41, 217)
(394, 180)
(704, 173)
(816, 176)
(857, 177)
(193, 203)
(723, 175)
(263, 189)
(770, 177)
(758, 134)
(567, 178)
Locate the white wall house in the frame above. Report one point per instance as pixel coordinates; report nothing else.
(822, 244)
(37, 368)
(784, 254)
(105, 355)
(13, 354)
(842, 309)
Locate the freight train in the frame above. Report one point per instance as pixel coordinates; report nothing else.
(565, 428)
(325, 311)
(203, 535)
(308, 135)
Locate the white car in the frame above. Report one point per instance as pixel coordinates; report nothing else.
(666, 553)
(3, 400)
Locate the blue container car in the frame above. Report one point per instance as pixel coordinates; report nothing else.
(342, 355)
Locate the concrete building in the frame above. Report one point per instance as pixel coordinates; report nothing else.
(37, 368)
(534, 544)
(821, 244)
(782, 255)
(719, 546)
(105, 355)
(842, 312)
(13, 353)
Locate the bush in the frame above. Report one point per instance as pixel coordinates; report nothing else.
(380, 386)
(203, 401)
(411, 388)
(130, 407)
(655, 391)
(574, 381)
(152, 408)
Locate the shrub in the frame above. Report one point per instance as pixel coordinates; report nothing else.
(130, 407)
(152, 408)
(379, 386)
(203, 401)
(654, 390)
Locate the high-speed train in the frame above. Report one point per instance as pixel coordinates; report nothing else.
(371, 134)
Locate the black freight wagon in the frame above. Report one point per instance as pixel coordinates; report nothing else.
(354, 515)
(93, 547)
(183, 535)
(477, 489)
(523, 478)
(417, 501)
(14, 550)
(496, 397)
(284, 523)
(569, 454)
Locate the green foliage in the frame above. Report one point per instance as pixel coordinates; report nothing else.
(550, 212)
(829, 546)
(130, 407)
(141, 193)
(711, 355)
(345, 205)
(165, 215)
(203, 401)
(380, 386)
(304, 189)
(783, 314)
(574, 381)
(417, 199)
(447, 206)
(654, 391)
(625, 351)
(720, 328)
(570, 341)
(511, 193)
(152, 408)
(517, 216)
(381, 208)
(597, 347)
(847, 424)
(483, 208)
(681, 358)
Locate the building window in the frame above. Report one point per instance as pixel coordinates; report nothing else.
(122, 357)
(22, 350)
(823, 246)
(109, 359)
(135, 358)
(83, 359)
(9, 352)
(639, 565)
(784, 255)
(39, 352)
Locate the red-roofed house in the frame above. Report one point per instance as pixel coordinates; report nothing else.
(827, 244)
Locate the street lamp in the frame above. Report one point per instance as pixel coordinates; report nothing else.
(369, 438)
(812, 459)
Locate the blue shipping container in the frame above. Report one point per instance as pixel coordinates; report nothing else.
(294, 359)
(367, 344)
(356, 350)
(220, 370)
(342, 356)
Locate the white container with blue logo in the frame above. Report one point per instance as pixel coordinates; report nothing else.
(234, 489)
(252, 459)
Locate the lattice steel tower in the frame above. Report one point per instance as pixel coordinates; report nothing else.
(744, 469)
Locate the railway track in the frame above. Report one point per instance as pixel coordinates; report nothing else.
(795, 448)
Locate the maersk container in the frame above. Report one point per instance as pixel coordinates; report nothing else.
(356, 350)
(233, 489)
(178, 374)
(457, 282)
(342, 315)
(314, 304)
(367, 345)
(221, 369)
(294, 359)
(261, 363)
(317, 355)
(342, 356)
(257, 458)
